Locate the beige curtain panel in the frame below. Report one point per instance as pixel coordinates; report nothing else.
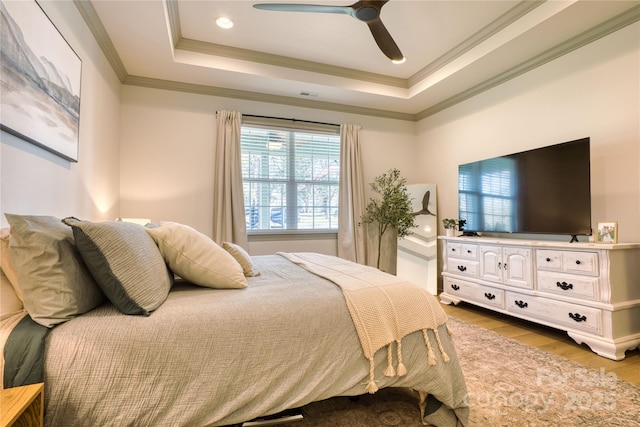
(228, 200)
(351, 233)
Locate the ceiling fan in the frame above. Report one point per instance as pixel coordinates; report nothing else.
(365, 11)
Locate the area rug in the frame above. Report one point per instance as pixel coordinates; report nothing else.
(509, 384)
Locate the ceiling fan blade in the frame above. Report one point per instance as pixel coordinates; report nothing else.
(367, 11)
(285, 7)
(384, 40)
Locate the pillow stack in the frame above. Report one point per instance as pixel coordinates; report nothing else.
(59, 269)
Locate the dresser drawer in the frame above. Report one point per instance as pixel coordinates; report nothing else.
(567, 261)
(462, 267)
(549, 260)
(580, 262)
(462, 250)
(572, 286)
(573, 316)
(482, 294)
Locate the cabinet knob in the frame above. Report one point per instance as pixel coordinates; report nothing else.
(468, 251)
(578, 261)
(548, 259)
(453, 249)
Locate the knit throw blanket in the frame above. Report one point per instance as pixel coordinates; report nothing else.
(384, 308)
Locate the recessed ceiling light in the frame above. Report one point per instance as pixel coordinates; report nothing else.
(224, 22)
(399, 61)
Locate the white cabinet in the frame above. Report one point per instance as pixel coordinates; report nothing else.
(510, 265)
(590, 290)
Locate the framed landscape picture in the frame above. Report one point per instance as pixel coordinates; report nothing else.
(607, 232)
(40, 98)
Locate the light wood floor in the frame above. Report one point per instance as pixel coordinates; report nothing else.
(547, 339)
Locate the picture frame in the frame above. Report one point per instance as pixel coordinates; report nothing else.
(607, 232)
(41, 81)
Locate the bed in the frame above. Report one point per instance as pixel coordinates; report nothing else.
(279, 337)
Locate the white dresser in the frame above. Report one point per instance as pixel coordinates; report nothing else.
(590, 290)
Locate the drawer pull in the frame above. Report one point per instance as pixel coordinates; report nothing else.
(577, 317)
(578, 261)
(489, 296)
(462, 268)
(468, 251)
(455, 287)
(548, 259)
(564, 286)
(453, 249)
(521, 304)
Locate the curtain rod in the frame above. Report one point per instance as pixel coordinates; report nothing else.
(292, 120)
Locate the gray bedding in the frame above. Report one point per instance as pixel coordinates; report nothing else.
(218, 357)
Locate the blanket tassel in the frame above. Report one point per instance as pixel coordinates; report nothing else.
(402, 371)
(389, 372)
(371, 387)
(430, 354)
(445, 356)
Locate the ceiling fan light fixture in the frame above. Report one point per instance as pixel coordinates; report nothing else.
(399, 61)
(224, 22)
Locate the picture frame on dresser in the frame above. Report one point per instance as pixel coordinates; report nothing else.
(607, 232)
(41, 81)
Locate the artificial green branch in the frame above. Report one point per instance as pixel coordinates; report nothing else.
(390, 208)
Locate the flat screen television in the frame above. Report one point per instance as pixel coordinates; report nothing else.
(545, 190)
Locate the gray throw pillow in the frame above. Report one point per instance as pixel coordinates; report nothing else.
(54, 280)
(125, 262)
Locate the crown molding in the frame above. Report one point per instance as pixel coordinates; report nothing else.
(92, 20)
(262, 97)
(506, 19)
(88, 13)
(612, 25)
(288, 62)
(173, 15)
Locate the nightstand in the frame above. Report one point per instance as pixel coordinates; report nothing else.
(22, 406)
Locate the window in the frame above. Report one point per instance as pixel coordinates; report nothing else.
(490, 199)
(290, 175)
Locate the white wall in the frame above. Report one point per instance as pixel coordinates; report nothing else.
(148, 152)
(167, 155)
(593, 91)
(37, 182)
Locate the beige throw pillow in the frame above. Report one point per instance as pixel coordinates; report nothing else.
(6, 264)
(243, 258)
(54, 280)
(9, 302)
(196, 258)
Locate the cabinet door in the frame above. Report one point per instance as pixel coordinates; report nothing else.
(516, 267)
(491, 263)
